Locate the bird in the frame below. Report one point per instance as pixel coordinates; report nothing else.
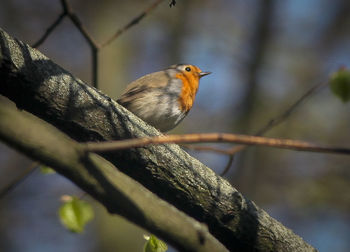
(163, 98)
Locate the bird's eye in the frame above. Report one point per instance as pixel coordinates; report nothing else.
(188, 69)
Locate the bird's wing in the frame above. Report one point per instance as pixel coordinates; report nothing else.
(146, 83)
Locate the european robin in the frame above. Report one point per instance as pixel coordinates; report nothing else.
(163, 98)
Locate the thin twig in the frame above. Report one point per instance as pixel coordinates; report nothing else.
(206, 148)
(94, 65)
(76, 21)
(92, 43)
(215, 137)
(271, 124)
(9, 187)
(214, 149)
(49, 30)
(133, 22)
(279, 119)
(68, 11)
(228, 165)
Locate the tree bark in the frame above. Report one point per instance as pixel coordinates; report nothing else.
(38, 85)
(116, 191)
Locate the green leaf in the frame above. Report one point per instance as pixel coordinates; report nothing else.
(340, 84)
(153, 244)
(75, 214)
(46, 170)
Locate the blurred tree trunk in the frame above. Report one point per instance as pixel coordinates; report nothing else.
(245, 173)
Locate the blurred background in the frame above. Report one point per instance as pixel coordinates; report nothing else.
(264, 55)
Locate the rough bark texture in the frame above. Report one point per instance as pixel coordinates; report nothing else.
(41, 87)
(98, 177)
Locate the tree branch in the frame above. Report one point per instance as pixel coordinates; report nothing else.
(49, 30)
(215, 137)
(10, 186)
(267, 127)
(132, 22)
(280, 118)
(68, 10)
(116, 191)
(41, 87)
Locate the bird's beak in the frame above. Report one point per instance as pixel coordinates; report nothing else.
(201, 74)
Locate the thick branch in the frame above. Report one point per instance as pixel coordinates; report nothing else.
(115, 190)
(38, 85)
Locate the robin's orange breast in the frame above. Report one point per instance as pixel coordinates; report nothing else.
(189, 89)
